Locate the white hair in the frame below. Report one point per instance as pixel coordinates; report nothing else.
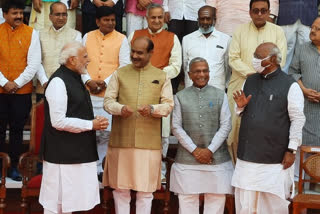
(275, 51)
(197, 59)
(69, 50)
(153, 6)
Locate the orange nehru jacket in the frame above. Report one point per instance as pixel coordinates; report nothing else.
(14, 46)
(103, 51)
(163, 44)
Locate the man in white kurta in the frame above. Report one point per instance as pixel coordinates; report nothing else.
(203, 164)
(209, 43)
(138, 95)
(271, 104)
(68, 147)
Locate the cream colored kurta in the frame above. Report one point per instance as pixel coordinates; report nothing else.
(131, 168)
(243, 45)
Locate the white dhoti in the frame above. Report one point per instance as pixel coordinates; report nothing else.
(262, 188)
(102, 136)
(191, 180)
(69, 187)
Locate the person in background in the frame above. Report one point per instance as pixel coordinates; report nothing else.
(20, 59)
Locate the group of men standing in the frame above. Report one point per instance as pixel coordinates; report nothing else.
(104, 78)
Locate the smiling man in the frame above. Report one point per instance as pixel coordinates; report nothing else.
(137, 96)
(244, 42)
(209, 43)
(201, 122)
(19, 61)
(52, 40)
(166, 56)
(108, 50)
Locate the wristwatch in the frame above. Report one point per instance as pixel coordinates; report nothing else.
(292, 151)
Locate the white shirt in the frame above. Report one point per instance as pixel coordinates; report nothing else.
(272, 178)
(41, 74)
(1, 17)
(33, 63)
(175, 60)
(220, 173)
(124, 57)
(187, 9)
(56, 95)
(214, 49)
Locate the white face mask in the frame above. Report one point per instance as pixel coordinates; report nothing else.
(256, 64)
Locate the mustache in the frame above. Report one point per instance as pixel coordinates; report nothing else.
(18, 19)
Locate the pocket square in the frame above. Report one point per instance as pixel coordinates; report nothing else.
(218, 46)
(155, 81)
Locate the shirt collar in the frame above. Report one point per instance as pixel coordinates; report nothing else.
(59, 30)
(155, 32)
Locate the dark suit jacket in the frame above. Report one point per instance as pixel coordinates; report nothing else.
(292, 10)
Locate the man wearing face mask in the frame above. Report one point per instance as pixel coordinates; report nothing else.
(271, 107)
(210, 44)
(244, 42)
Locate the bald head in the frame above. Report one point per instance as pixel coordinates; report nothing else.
(270, 49)
(270, 55)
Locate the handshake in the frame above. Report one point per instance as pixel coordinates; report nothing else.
(100, 123)
(144, 110)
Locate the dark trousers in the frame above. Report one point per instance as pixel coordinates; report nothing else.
(181, 28)
(14, 112)
(89, 19)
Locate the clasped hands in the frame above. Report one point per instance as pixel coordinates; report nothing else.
(311, 94)
(203, 155)
(96, 86)
(143, 4)
(11, 87)
(144, 110)
(100, 123)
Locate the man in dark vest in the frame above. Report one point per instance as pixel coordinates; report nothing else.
(270, 132)
(202, 122)
(68, 146)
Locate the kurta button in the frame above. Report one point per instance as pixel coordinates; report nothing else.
(200, 115)
(200, 106)
(101, 53)
(99, 76)
(200, 126)
(200, 97)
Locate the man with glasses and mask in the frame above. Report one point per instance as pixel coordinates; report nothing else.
(210, 44)
(52, 40)
(244, 42)
(271, 107)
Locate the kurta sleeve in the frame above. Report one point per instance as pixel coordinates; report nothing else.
(282, 45)
(56, 95)
(235, 60)
(3, 80)
(296, 115)
(33, 61)
(124, 54)
(166, 101)
(175, 60)
(177, 129)
(225, 127)
(41, 75)
(110, 99)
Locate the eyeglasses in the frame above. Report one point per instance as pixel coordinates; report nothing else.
(256, 11)
(60, 14)
(315, 28)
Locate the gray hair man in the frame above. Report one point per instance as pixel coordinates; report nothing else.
(271, 109)
(68, 146)
(201, 121)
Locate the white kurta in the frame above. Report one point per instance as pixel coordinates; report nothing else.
(271, 179)
(74, 186)
(196, 179)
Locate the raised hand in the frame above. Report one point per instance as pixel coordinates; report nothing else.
(241, 99)
(126, 111)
